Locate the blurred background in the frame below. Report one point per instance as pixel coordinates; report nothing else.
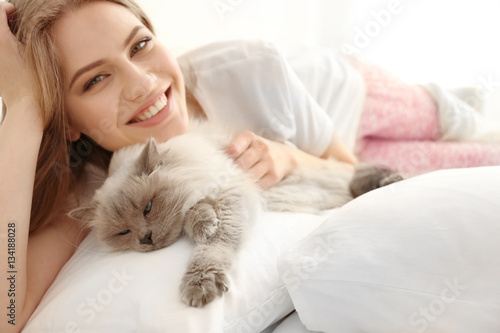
(450, 41)
(453, 43)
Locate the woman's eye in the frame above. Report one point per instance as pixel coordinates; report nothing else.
(139, 46)
(124, 232)
(148, 208)
(93, 82)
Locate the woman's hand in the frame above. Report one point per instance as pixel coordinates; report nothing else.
(14, 82)
(266, 161)
(15, 85)
(269, 161)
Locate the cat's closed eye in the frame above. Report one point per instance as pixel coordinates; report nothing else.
(148, 208)
(124, 232)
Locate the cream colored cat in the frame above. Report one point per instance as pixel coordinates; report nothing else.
(188, 186)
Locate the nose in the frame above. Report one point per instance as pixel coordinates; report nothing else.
(138, 82)
(147, 239)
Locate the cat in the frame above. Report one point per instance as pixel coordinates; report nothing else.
(157, 192)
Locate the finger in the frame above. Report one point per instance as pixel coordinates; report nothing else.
(268, 180)
(240, 144)
(258, 171)
(7, 6)
(7, 10)
(249, 157)
(6, 18)
(258, 150)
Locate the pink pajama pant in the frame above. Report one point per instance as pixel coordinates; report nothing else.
(400, 129)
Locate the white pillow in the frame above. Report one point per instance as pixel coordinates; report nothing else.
(130, 292)
(421, 255)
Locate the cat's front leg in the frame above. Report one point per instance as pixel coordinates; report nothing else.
(201, 222)
(207, 274)
(206, 277)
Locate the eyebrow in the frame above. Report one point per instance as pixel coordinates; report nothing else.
(132, 35)
(101, 62)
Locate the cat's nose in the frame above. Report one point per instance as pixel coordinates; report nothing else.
(147, 239)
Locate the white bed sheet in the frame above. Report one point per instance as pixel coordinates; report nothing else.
(427, 246)
(290, 324)
(98, 291)
(420, 255)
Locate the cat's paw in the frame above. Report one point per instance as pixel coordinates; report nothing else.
(391, 178)
(199, 289)
(202, 222)
(369, 177)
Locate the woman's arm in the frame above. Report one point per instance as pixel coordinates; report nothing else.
(339, 151)
(27, 268)
(28, 263)
(20, 138)
(269, 161)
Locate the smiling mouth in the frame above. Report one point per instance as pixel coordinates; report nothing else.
(153, 110)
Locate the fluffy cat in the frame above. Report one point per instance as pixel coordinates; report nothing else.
(156, 192)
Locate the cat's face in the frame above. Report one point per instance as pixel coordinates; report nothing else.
(143, 212)
(145, 216)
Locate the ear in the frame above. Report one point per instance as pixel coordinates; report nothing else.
(83, 213)
(148, 156)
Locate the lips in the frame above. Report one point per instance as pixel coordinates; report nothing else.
(154, 105)
(154, 111)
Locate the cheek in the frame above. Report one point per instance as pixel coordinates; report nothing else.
(169, 234)
(95, 118)
(85, 115)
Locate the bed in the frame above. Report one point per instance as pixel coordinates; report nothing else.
(421, 255)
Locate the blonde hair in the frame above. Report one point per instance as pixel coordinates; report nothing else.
(33, 26)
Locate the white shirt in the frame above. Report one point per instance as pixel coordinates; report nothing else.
(252, 86)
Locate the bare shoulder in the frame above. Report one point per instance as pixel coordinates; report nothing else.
(48, 251)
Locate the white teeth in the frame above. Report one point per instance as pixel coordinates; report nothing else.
(153, 109)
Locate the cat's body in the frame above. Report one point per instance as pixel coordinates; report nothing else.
(188, 185)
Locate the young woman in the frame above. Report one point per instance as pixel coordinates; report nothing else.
(91, 76)
(86, 67)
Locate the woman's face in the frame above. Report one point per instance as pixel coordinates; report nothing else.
(122, 85)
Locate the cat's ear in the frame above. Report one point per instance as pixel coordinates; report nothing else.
(84, 213)
(147, 158)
